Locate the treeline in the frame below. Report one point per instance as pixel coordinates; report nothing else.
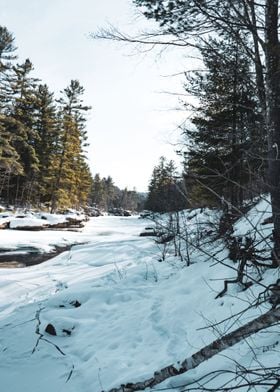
(166, 192)
(108, 197)
(43, 139)
(43, 142)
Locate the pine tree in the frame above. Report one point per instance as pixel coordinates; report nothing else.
(42, 144)
(46, 126)
(7, 57)
(83, 184)
(10, 164)
(96, 190)
(166, 193)
(110, 193)
(23, 115)
(225, 156)
(70, 156)
(9, 158)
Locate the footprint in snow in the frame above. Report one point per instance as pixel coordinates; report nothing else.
(60, 285)
(176, 342)
(156, 318)
(155, 313)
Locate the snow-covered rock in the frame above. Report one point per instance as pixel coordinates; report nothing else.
(27, 223)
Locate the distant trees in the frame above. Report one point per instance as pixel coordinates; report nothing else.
(42, 140)
(166, 190)
(103, 192)
(107, 196)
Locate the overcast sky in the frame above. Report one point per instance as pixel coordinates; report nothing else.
(132, 122)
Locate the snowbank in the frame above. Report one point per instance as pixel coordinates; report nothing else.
(136, 315)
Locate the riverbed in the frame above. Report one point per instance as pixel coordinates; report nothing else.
(19, 248)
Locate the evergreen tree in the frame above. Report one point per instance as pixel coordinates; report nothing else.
(166, 192)
(131, 200)
(226, 150)
(23, 115)
(110, 192)
(10, 164)
(70, 158)
(9, 158)
(107, 196)
(83, 184)
(7, 56)
(42, 144)
(97, 191)
(46, 126)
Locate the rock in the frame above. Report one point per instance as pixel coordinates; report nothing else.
(75, 303)
(67, 332)
(69, 223)
(50, 329)
(149, 233)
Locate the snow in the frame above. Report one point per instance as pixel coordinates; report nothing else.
(257, 215)
(21, 219)
(24, 222)
(137, 314)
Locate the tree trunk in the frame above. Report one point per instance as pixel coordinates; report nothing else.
(266, 320)
(272, 55)
(258, 62)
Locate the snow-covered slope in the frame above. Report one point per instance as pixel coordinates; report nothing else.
(119, 314)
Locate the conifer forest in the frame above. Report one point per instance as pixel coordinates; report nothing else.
(43, 148)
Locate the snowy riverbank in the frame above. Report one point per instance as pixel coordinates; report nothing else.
(136, 315)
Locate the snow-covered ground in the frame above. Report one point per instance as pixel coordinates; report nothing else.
(20, 219)
(96, 230)
(137, 314)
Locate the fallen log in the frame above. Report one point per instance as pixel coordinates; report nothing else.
(264, 321)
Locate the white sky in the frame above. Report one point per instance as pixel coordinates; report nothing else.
(131, 124)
